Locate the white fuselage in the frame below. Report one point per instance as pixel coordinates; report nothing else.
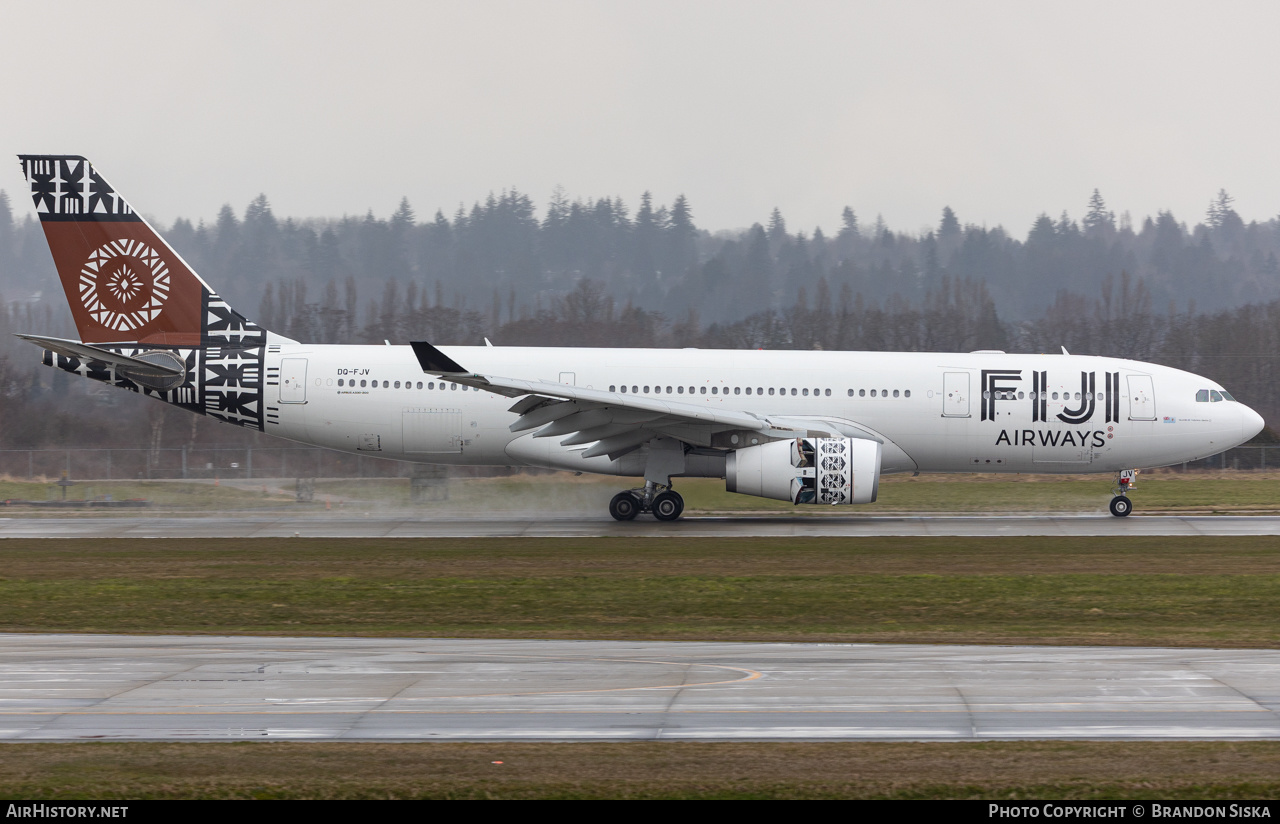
(936, 412)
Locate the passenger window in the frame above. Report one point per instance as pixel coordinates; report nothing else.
(646, 390)
(680, 390)
(770, 390)
(339, 381)
(873, 393)
(668, 390)
(793, 391)
(828, 393)
(759, 390)
(906, 392)
(362, 383)
(702, 390)
(748, 390)
(1055, 396)
(884, 393)
(862, 393)
(397, 384)
(851, 393)
(737, 390)
(805, 392)
(1214, 396)
(419, 384)
(895, 393)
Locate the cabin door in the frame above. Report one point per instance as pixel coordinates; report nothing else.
(955, 394)
(1142, 398)
(293, 380)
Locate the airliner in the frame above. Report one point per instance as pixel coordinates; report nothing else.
(814, 428)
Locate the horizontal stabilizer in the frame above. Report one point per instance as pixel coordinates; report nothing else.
(432, 359)
(85, 352)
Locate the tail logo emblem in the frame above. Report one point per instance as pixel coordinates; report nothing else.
(124, 285)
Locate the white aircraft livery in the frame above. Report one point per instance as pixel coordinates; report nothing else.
(806, 427)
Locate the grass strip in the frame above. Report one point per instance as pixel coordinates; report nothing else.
(643, 770)
(1166, 591)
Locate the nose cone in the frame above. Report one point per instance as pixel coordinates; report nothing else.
(1251, 423)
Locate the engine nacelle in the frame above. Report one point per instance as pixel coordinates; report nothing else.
(807, 471)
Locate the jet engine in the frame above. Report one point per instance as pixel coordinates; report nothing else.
(807, 471)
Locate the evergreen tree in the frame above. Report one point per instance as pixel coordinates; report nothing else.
(1220, 209)
(644, 242)
(777, 226)
(403, 217)
(949, 226)
(1098, 218)
(682, 254)
(848, 224)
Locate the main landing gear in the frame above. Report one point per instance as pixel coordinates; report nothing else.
(666, 505)
(1121, 506)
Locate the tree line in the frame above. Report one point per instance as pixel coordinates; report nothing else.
(502, 258)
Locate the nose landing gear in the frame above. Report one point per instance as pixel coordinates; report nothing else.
(1121, 506)
(666, 505)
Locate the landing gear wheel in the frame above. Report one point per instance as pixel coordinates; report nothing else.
(668, 506)
(624, 507)
(1121, 506)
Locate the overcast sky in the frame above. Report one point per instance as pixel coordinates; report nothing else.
(999, 109)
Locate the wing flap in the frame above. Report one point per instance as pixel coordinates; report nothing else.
(618, 445)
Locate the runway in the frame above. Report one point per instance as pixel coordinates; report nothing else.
(78, 687)
(535, 525)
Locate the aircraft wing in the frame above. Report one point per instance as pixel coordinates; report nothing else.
(615, 423)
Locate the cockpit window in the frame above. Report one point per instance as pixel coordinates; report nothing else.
(1202, 396)
(1227, 395)
(1215, 395)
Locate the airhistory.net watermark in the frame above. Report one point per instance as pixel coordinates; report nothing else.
(65, 811)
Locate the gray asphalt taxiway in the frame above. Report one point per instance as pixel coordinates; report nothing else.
(87, 687)
(538, 525)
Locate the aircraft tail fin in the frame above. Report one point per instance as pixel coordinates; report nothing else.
(125, 284)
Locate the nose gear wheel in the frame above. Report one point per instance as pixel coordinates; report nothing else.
(1121, 506)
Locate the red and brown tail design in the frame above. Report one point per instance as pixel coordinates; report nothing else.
(147, 322)
(124, 283)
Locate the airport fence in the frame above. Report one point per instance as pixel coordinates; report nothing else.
(194, 463)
